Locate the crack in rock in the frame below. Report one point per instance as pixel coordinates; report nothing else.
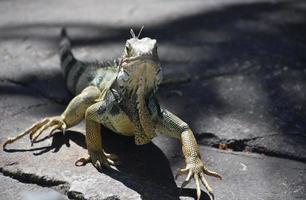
(262, 150)
(243, 145)
(75, 195)
(43, 181)
(31, 178)
(61, 186)
(79, 196)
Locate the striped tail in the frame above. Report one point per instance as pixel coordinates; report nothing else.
(71, 67)
(78, 75)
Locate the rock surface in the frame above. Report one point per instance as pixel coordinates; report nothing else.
(13, 189)
(234, 70)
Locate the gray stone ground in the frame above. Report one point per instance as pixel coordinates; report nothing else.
(234, 70)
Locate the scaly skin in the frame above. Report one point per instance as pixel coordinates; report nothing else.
(121, 96)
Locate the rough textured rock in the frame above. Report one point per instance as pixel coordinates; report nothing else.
(245, 175)
(234, 70)
(248, 77)
(12, 189)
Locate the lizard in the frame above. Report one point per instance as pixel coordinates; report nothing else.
(120, 95)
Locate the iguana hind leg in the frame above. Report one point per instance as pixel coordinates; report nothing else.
(73, 114)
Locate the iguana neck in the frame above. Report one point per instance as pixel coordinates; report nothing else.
(134, 101)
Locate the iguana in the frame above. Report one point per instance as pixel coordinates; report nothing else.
(120, 95)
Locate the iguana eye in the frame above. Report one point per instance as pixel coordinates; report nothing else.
(155, 49)
(128, 49)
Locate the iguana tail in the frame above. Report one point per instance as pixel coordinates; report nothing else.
(78, 75)
(72, 68)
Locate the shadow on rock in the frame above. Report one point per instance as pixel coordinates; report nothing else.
(144, 169)
(57, 142)
(241, 57)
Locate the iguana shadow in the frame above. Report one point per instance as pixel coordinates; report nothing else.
(144, 169)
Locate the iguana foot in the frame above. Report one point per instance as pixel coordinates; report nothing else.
(37, 129)
(197, 170)
(52, 123)
(99, 159)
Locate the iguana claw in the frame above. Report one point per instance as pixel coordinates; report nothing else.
(197, 170)
(52, 123)
(38, 128)
(99, 159)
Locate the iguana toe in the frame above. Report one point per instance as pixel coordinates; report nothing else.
(99, 159)
(38, 128)
(197, 170)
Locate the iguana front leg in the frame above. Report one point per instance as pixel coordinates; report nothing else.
(95, 115)
(171, 125)
(72, 115)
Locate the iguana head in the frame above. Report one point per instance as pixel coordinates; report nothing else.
(140, 64)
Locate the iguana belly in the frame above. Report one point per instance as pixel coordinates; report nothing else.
(119, 123)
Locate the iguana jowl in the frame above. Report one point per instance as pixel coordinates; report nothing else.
(120, 95)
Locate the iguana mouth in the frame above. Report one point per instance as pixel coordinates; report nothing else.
(135, 67)
(139, 58)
